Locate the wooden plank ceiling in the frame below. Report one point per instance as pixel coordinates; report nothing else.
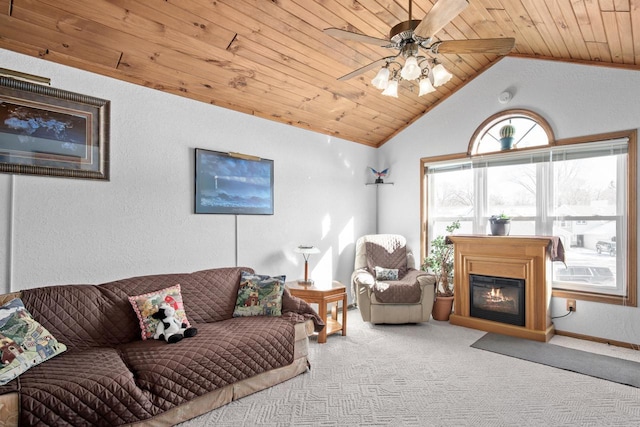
(272, 59)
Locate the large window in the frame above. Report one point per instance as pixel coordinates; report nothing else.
(581, 190)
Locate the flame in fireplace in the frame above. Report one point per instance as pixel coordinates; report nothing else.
(496, 295)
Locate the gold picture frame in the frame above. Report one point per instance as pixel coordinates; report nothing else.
(52, 132)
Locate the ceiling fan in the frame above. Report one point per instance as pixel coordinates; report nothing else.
(412, 36)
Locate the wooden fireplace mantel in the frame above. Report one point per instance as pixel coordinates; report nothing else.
(517, 257)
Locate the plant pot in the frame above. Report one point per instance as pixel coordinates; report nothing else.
(506, 143)
(442, 308)
(500, 228)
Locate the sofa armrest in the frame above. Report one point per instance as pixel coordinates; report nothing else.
(428, 281)
(298, 310)
(361, 278)
(361, 283)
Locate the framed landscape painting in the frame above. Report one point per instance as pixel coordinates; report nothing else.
(233, 183)
(52, 132)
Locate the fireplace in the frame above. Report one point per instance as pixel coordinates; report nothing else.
(497, 298)
(524, 259)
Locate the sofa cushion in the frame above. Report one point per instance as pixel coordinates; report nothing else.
(83, 387)
(222, 353)
(105, 313)
(259, 295)
(24, 342)
(405, 291)
(208, 295)
(106, 318)
(146, 305)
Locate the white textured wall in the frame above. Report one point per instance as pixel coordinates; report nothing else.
(576, 100)
(142, 221)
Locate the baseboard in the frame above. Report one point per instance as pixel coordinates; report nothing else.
(599, 340)
(573, 335)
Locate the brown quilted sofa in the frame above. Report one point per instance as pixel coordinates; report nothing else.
(109, 376)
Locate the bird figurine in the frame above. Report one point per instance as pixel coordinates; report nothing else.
(379, 175)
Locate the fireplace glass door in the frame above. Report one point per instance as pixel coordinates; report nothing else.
(497, 298)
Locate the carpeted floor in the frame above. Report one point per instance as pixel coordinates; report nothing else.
(429, 375)
(608, 368)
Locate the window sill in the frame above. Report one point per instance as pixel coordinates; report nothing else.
(629, 301)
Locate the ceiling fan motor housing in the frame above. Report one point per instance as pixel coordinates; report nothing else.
(404, 39)
(403, 31)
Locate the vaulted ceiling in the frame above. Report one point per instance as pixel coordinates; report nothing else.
(272, 59)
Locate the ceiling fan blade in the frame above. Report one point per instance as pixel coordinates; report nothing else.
(343, 34)
(366, 68)
(440, 15)
(497, 46)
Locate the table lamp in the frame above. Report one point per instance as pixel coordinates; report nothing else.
(306, 251)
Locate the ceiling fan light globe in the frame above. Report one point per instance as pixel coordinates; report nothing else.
(440, 75)
(381, 80)
(411, 69)
(392, 89)
(426, 87)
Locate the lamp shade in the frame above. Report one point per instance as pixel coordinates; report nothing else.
(392, 89)
(440, 75)
(307, 250)
(411, 69)
(381, 80)
(426, 87)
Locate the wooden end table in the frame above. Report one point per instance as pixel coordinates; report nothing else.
(324, 295)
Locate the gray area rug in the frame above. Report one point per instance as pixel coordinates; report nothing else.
(595, 365)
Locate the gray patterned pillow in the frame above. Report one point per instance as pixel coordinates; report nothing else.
(386, 273)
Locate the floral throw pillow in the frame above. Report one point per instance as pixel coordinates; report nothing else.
(259, 295)
(386, 273)
(25, 342)
(147, 304)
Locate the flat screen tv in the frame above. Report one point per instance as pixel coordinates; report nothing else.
(230, 183)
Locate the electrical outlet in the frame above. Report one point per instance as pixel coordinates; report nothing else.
(571, 305)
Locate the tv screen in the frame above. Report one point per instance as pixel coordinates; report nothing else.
(228, 183)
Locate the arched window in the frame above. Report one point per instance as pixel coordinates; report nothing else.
(511, 130)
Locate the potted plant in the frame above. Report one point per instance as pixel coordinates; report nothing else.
(440, 263)
(506, 136)
(500, 225)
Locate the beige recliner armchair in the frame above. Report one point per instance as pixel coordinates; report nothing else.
(381, 296)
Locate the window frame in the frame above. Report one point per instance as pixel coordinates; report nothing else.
(505, 115)
(631, 261)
